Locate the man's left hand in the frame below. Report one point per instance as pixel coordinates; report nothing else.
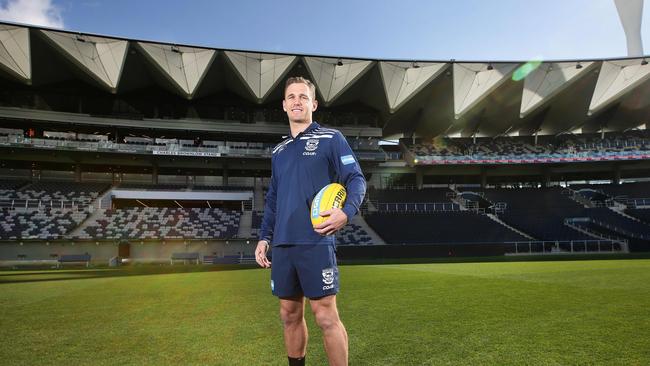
(336, 219)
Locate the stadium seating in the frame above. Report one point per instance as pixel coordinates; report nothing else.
(350, 234)
(64, 193)
(442, 227)
(412, 200)
(622, 224)
(641, 214)
(158, 223)
(629, 190)
(44, 210)
(47, 224)
(410, 195)
(6, 186)
(523, 149)
(630, 194)
(399, 215)
(539, 212)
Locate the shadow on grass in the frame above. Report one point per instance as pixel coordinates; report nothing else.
(518, 258)
(48, 274)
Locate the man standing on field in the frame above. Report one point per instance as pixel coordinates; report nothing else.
(304, 258)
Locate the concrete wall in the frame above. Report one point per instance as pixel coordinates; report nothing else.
(102, 251)
(42, 251)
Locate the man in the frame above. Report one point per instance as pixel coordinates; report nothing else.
(304, 261)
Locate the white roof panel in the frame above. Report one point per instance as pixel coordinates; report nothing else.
(615, 79)
(334, 76)
(260, 72)
(474, 81)
(547, 81)
(14, 51)
(101, 58)
(184, 67)
(402, 80)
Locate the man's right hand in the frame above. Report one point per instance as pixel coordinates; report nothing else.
(260, 254)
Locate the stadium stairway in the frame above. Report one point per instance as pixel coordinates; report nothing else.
(94, 215)
(95, 212)
(624, 214)
(586, 231)
(460, 201)
(376, 239)
(258, 195)
(496, 219)
(245, 225)
(598, 236)
(578, 198)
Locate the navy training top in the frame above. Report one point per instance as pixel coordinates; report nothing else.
(300, 167)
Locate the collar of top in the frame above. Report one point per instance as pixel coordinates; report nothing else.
(312, 126)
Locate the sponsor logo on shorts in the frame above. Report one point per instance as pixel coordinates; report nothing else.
(328, 287)
(328, 276)
(272, 286)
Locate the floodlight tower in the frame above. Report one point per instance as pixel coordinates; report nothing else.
(630, 12)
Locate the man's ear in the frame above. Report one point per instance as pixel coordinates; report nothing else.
(284, 105)
(315, 105)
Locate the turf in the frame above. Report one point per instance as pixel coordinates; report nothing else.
(546, 313)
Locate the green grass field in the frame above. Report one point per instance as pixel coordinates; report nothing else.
(546, 313)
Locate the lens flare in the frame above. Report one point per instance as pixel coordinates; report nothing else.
(439, 142)
(525, 69)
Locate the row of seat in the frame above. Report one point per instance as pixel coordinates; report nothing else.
(350, 234)
(525, 146)
(47, 224)
(163, 222)
(82, 193)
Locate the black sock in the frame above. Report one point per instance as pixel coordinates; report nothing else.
(300, 361)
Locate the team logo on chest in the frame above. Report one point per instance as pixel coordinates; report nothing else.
(310, 147)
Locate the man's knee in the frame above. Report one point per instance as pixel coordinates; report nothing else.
(326, 317)
(291, 315)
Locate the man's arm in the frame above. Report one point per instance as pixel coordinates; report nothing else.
(350, 176)
(268, 223)
(268, 220)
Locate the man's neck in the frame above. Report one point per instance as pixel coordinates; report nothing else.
(298, 127)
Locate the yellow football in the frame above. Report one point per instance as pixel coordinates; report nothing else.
(331, 196)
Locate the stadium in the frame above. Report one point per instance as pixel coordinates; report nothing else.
(525, 183)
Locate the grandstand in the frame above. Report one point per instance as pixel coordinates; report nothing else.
(122, 148)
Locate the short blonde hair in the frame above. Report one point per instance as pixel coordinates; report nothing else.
(300, 79)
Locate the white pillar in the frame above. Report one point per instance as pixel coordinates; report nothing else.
(630, 12)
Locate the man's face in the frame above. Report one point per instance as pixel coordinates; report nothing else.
(298, 103)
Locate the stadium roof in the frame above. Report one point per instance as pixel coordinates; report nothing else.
(426, 98)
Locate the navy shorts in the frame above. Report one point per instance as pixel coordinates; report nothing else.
(307, 270)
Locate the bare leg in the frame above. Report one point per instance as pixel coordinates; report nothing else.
(334, 335)
(292, 312)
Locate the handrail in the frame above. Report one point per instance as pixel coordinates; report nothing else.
(605, 225)
(38, 204)
(170, 149)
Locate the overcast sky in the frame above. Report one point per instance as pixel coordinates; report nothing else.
(405, 29)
